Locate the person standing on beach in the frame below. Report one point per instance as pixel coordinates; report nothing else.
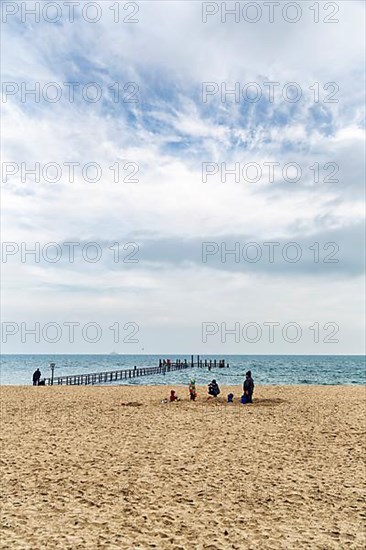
(248, 386)
(36, 377)
(192, 390)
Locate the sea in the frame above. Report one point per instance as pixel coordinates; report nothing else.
(266, 369)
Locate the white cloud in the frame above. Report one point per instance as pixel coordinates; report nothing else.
(170, 53)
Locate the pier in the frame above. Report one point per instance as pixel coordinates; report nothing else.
(126, 374)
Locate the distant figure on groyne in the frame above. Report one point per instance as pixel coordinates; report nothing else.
(248, 387)
(36, 377)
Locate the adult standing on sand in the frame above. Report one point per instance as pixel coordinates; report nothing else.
(248, 386)
(36, 377)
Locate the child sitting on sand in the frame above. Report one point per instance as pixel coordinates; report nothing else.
(230, 398)
(173, 396)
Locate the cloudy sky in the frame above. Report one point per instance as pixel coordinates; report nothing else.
(169, 134)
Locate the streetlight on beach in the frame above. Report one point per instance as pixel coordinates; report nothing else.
(52, 366)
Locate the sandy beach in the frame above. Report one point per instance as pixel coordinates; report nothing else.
(114, 468)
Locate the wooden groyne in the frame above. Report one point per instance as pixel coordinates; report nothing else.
(126, 374)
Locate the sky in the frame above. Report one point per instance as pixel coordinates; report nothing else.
(208, 175)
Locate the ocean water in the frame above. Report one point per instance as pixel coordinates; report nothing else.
(266, 369)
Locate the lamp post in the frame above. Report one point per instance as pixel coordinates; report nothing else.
(52, 366)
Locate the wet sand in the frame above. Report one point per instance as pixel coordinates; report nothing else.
(114, 468)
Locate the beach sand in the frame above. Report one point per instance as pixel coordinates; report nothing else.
(114, 468)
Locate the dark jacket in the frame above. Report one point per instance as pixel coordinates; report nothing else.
(248, 385)
(213, 389)
(36, 375)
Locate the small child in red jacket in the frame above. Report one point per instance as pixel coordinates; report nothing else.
(173, 396)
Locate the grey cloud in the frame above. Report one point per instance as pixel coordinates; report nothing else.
(339, 252)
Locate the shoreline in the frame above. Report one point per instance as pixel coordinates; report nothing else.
(263, 385)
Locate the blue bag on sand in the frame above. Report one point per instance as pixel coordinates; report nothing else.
(244, 399)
